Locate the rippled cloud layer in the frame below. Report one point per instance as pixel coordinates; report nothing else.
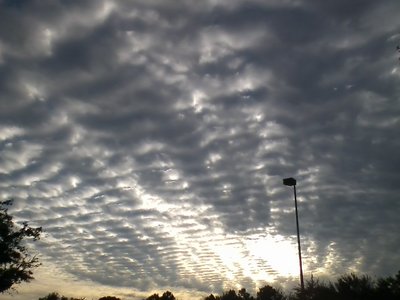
(150, 138)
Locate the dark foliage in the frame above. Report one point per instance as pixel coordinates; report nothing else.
(353, 287)
(109, 298)
(56, 296)
(244, 295)
(389, 288)
(166, 296)
(16, 263)
(315, 290)
(269, 293)
(211, 297)
(230, 295)
(346, 287)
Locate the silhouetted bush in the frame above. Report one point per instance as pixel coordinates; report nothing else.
(109, 298)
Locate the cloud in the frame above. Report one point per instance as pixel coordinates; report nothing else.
(150, 139)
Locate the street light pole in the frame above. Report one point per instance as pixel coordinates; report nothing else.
(298, 240)
(292, 182)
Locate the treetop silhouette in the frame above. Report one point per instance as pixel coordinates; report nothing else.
(16, 263)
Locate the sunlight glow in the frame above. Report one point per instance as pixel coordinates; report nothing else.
(278, 252)
(260, 257)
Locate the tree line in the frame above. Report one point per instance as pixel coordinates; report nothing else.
(346, 287)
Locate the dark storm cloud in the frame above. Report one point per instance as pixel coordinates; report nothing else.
(150, 139)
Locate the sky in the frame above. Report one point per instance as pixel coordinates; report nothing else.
(150, 138)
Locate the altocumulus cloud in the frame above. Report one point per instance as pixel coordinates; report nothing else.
(150, 138)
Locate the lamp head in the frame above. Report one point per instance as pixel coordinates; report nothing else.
(289, 181)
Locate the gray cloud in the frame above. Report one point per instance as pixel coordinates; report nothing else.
(150, 140)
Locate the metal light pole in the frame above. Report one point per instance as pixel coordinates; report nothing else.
(292, 182)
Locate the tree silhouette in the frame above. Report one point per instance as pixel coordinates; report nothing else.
(212, 297)
(230, 295)
(15, 262)
(316, 290)
(353, 287)
(153, 297)
(243, 294)
(57, 296)
(269, 293)
(165, 296)
(389, 288)
(53, 296)
(109, 298)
